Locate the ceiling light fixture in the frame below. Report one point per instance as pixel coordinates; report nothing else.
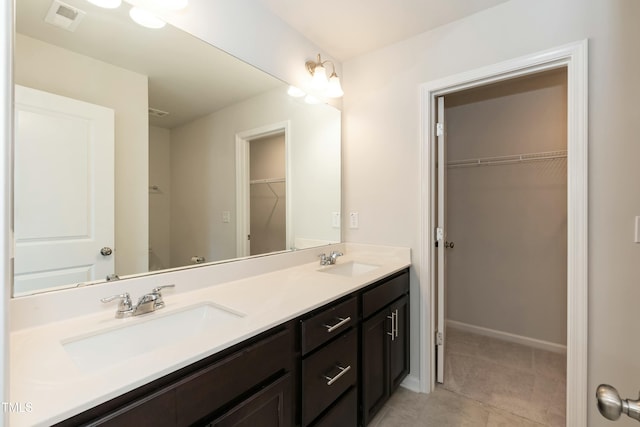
(319, 81)
(146, 18)
(107, 4)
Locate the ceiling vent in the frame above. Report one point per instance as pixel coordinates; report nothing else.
(157, 113)
(64, 16)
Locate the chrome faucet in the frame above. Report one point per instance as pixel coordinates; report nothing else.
(146, 304)
(331, 259)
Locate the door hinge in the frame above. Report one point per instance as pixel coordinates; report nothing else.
(439, 338)
(439, 129)
(248, 236)
(439, 233)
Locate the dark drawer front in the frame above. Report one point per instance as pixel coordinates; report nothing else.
(381, 295)
(204, 391)
(327, 374)
(343, 414)
(328, 324)
(156, 410)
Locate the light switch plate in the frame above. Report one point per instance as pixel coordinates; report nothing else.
(335, 219)
(637, 236)
(354, 220)
(226, 216)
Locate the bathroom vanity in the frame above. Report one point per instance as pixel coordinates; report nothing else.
(308, 345)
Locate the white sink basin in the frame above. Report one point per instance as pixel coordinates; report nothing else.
(146, 334)
(349, 269)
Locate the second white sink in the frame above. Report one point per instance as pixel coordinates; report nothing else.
(350, 269)
(146, 334)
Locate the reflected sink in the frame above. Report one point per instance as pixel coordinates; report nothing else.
(349, 269)
(148, 333)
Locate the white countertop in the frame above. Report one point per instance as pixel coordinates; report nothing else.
(50, 387)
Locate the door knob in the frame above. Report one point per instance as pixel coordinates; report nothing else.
(448, 245)
(611, 406)
(106, 251)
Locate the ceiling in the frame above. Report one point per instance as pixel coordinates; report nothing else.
(348, 28)
(188, 78)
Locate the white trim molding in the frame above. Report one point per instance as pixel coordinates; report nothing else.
(506, 336)
(573, 57)
(6, 184)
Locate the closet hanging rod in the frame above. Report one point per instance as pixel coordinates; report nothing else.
(502, 160)
(266, 180)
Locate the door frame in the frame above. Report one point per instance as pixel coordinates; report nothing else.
(573, 57)
(242, 183)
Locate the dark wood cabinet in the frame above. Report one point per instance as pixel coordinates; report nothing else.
(385, 344)
(329, 361)
(266, 408)
(335, 366)
(250, 381)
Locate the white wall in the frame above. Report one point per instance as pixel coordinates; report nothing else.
(508, 268)
(159, 200)
(381, 151)
(203, 173)
(249, 31)
(50, 68)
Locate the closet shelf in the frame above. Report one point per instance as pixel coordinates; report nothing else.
(266, 180)
(502, 160)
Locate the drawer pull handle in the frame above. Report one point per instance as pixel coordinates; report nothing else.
(342, 321)
(337, 377)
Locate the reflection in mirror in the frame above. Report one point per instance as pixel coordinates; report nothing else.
(141, 150)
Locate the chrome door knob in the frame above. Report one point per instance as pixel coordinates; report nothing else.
(611, 406)
(106, 251)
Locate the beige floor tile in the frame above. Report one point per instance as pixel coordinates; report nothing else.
(488, 383)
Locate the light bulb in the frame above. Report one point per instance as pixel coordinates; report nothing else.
(334, 90)
(295, 92)
(319, 80)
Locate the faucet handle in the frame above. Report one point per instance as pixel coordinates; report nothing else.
(157, 289)
(124, 306)
(159, 302)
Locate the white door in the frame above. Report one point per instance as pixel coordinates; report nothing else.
(441, 235)
(63, 191)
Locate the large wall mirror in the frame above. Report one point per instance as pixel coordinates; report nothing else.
(140, 150)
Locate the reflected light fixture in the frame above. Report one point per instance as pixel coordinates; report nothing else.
(295, 92)
(107, 4)
(145, 18)
(319, 81)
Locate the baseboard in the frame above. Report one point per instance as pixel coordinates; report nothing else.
(411, 382)
(506, 336)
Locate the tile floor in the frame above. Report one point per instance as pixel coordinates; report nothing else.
(488, 383)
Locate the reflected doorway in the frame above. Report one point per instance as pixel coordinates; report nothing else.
(267, 194)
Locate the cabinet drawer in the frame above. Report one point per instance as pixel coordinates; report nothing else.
(199, 394)
(327, 374)
(381, 295)
(343, 414)
(327, 324)
(269, 407)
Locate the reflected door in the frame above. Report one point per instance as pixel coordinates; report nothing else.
(64, 191)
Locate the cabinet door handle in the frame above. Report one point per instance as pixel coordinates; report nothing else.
(396, 323)
(393, 326)
(341, 321)
(337, 377)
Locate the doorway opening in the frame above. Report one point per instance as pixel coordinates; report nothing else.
(504, 256)
(262, 190)
(572, 59)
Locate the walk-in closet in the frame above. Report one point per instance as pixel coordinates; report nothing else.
(506, 249)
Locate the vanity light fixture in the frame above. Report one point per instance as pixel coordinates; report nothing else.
(107, 4)
(319, 81)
